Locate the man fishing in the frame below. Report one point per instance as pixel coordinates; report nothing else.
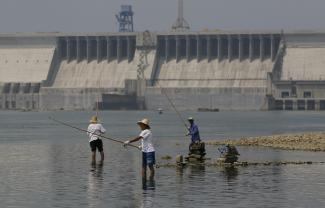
(193, 131)
(147, 147)
(94, 130)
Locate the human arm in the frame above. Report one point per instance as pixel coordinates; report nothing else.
(132, 140)
(136, 139)
(88, 131)
(193, 130)
(102, 129)
(189, 130)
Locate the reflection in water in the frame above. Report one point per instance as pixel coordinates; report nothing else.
(148, 184)
(148, 199)
(30, 178)
(230, 173)
(148, 195)
(197, 170)
(180, 171)
(95, 185)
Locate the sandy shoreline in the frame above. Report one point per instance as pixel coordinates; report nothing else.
(314, 141)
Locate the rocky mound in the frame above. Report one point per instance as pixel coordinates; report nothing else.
(306, 141)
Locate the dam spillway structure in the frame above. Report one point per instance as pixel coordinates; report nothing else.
(234, 70)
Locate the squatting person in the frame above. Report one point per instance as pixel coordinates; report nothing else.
(147, 147)
(94, 130)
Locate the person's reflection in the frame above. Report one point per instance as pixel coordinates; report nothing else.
(180, 170)
(148, 184)
(230, 172)
(197, 170)
(148, 195)
(95, 185)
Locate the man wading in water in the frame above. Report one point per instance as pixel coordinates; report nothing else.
(148, 150)
(95, 129)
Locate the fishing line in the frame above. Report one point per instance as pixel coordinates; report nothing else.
(172, 104)
(144, 63)
(79, 129)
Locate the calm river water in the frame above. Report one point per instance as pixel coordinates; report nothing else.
(43, 164)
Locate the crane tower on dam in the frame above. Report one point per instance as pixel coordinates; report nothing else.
(125, 19)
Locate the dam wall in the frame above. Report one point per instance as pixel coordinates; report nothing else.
(25, 62)
(94, 74)
(213, 74)
(92, 62)
(208, 98)
(70, 98)
(215, 59)
(25, 65)
(224, 70)
(304, 58)
(25, 59)
(77, 71)
(86, 63)
(299, 81)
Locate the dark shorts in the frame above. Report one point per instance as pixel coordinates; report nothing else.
(96, 144)
(148, 159)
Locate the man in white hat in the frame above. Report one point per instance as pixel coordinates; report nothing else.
(94, 130)
(147, 147)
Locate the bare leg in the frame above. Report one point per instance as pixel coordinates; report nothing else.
(152, 172)
(93, 158)
(144, 173)
(102, 156)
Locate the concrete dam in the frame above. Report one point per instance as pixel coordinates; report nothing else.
(213, 70)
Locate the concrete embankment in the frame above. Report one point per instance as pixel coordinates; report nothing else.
(305, 141)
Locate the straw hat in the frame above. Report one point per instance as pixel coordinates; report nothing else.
(94, 119)
(144, 121)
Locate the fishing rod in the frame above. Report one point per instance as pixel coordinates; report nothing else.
(172, 104)
(143, 64)
(97, 97)
(97, 103)
(79, 129)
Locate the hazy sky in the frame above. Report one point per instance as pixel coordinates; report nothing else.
(159, 15)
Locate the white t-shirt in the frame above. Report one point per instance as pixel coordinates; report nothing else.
(95, 129)
(146, 141)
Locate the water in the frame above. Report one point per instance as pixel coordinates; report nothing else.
(44, 164)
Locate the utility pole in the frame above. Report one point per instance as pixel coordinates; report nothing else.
(180, 24)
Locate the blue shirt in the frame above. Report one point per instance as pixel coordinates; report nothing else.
(194, 132)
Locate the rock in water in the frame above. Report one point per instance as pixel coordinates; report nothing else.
(229, 154)
(197, 152)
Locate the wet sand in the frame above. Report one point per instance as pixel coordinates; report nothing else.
(314, 141)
